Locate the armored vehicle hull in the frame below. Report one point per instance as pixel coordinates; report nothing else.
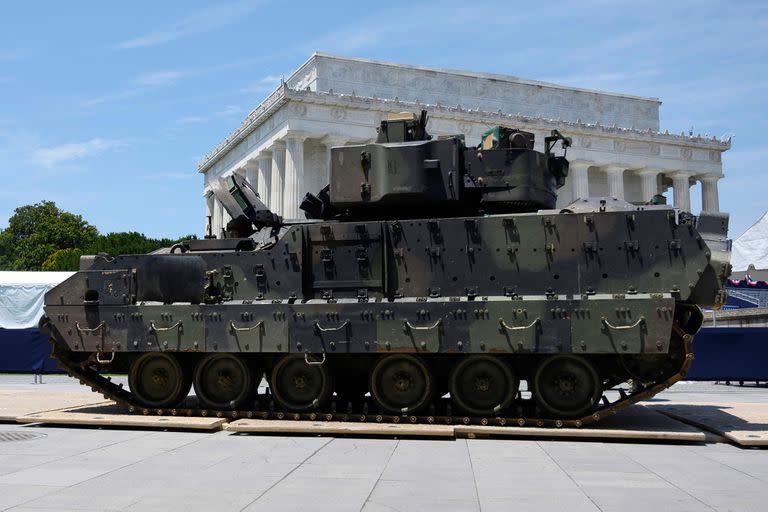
(379, 319)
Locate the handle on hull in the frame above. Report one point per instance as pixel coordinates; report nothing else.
(153, 327)
(102, 325)
(331, 329)
(409, 325)
(623, 327)
(234, 328)
(313, 363)
(520, 328)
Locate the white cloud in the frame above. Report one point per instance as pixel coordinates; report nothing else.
(604, 79)
(54, 155)
(266, 84)
(227, 111)
(191, 120)
(375, 30)
(168, 176)
(142, 83)
(107, 98)
(152, 80)
(12, 54)
(159, 78)
(196, 22)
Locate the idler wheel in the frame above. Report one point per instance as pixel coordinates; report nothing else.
(223, 381)
(483, 385)
(158, 380)
(566, 386)
(401, 384)
(298, 386)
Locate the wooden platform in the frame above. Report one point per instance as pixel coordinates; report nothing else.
(743, 423)
(110, 415)
(17, 402)
(340, 428)
(634, 423)
(637, 423)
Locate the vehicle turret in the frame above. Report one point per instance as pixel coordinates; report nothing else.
(406, 172)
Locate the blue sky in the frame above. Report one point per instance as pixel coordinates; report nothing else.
(106, 107)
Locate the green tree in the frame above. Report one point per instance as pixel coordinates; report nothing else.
(131, 242)
(36, 231)
(63, 259)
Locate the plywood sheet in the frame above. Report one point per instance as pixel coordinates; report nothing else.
(339, 428)
(743, 423)
(635, 422)
(114, 416)
(19, 402)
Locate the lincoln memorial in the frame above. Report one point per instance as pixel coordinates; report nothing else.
(283, 146)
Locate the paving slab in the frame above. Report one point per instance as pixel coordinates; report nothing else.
(111, 415)
(16, 494)
(743, 423)
(19, 402)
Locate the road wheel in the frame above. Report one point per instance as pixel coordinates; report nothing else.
(401, 384)
(223, 381)
(298, 386)
(483, 385)
(566, 386)
(158, 380)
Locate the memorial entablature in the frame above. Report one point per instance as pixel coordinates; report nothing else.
(283, 146)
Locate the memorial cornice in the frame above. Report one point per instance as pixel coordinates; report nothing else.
(459, 113)
(283, 94)
(267, 107)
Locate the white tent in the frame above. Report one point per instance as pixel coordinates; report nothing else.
(21, 296)
(752, 247)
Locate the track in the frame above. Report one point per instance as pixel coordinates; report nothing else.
(440, 412)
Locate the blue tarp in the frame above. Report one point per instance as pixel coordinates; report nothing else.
(730, 353)
(24, 351)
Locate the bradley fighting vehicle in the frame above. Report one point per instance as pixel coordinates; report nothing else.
(428, 280)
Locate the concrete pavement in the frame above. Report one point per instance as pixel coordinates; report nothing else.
(118, 469)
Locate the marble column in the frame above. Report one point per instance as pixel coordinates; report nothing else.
(579, 176)
(278, 172)
(710, 198)
(331, 141)
(615, 180)
(209, 207)
(681, 186)
(218, 219)
(649, 183)
(264, 177)
(251, 173)
(294, 175)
